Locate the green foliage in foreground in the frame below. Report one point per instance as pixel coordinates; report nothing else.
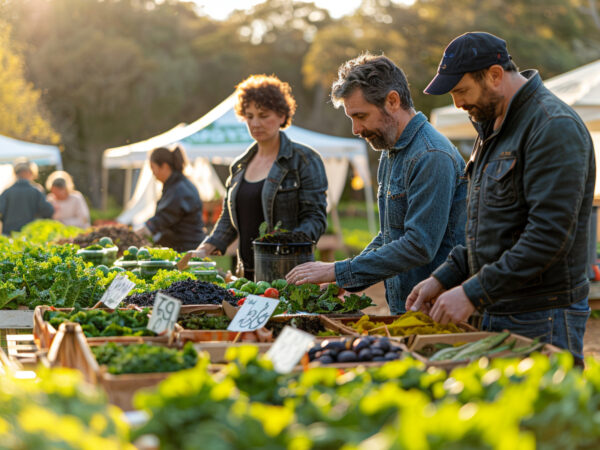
(58, 410)
(535, 403)
(505, 404)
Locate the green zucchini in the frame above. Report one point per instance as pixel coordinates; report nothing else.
(481, 347)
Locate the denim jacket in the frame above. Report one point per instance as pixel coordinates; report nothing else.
(422, 214)
(293, 193)
(531, 186)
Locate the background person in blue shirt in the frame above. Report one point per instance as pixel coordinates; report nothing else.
(421, 187)
(24, 201)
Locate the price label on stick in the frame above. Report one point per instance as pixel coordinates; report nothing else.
(254, 313)
(289, 348)
(164, 313)
(117, 291)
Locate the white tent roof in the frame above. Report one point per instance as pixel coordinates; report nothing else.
(220, 137)
(42, 155)
(579, 88)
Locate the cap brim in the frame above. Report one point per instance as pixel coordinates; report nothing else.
(442, 83)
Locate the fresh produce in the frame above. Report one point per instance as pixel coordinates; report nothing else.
(411, 322)
(488, 346)
(311, 298)
(201, 322)
(143, 254)
(47, 275)
(43, 231)
(499, 404)
(58, 410)
(144, 358)
(98, 322)
(309, 324)
(190, 292)
(122, 236)
(361, 349)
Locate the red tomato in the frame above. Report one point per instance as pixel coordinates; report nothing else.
(271, 293)
(241, 301)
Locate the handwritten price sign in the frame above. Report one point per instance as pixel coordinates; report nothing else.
(254, 313)
(164, 313)
(289, 348)
(117, 291)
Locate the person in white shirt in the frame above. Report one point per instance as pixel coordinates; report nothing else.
(70, 207)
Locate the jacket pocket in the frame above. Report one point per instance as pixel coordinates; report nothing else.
(396, 208)
(499, 185)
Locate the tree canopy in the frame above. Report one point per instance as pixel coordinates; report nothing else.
(111, 72)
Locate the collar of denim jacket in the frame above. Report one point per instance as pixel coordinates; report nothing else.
(285, 146)
(410, 131)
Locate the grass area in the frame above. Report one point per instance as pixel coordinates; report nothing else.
(111, 213)
(355, 225)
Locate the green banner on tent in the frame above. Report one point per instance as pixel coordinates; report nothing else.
(220, 134)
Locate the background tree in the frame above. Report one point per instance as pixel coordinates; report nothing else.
(22, 115)
(112, 72)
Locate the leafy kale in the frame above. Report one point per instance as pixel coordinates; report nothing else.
(97, 322)
(144, 358)
(310, 298)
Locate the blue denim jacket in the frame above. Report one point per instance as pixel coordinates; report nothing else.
(422, 214)
(294, 193)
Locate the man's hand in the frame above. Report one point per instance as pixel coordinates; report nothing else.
(204, 250)
(452, 306)
(423, 295)
(312, 272)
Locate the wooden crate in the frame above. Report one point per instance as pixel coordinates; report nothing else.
(255, 336)
(417, 342)
(44, 333)
(345, 321)
(16, 318)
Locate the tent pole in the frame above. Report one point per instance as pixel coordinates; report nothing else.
(127, 189)
(104, 188)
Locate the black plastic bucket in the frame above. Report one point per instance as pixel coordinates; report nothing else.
(274, 261)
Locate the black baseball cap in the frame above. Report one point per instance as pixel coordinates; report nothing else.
(468, 52)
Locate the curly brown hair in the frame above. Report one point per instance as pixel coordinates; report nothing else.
(267, 92)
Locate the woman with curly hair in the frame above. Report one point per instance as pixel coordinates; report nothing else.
(275, 180)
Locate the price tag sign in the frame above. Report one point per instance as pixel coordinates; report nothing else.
(164, 313)
(117, 291)
(254, 313)
(289, 348)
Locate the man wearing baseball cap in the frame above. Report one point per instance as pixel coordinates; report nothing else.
(531, 184)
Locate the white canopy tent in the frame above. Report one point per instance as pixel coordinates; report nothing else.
(579, 88)
(11, 149)
(218, 138)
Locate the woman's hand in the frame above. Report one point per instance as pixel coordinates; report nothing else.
(204, 250)
(142, 230)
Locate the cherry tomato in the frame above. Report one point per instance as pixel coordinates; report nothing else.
(271, 293)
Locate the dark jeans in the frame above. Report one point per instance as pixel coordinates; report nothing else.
(563, 327)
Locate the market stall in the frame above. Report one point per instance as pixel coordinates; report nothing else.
(218, 138)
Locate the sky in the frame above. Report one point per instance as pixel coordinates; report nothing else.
(220, 9)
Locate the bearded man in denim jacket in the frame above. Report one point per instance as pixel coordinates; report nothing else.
(421, 194)
(531, 186)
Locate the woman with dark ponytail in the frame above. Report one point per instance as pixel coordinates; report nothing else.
(177, 222)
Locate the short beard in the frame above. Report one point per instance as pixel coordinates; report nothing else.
(384, 137)
(486, 111)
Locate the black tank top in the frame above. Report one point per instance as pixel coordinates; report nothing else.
(250, 215)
